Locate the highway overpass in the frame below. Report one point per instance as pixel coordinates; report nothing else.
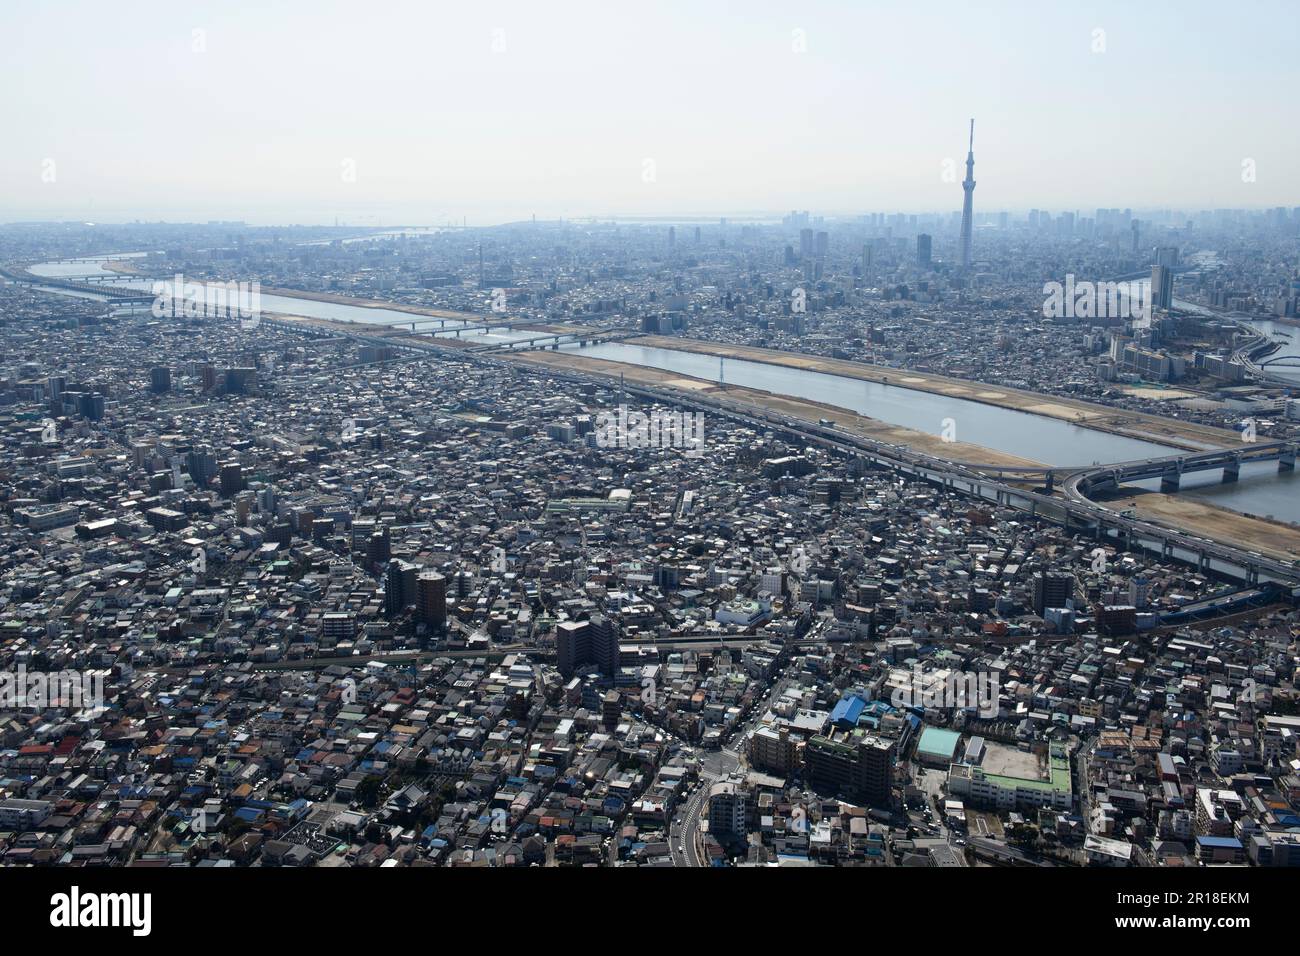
(1171, 468)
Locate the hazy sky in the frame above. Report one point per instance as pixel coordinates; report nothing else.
(497, 110)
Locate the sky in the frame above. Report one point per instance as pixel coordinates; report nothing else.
(392, 112)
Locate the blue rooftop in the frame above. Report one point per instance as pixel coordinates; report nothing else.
(1225, 842)
(848, 711)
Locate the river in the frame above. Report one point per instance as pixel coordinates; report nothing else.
(1260, 490)
(281, 304)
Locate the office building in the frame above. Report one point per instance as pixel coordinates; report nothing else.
(1162, 287)
(923, 251)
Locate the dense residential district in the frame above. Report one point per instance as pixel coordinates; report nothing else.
(284, 588)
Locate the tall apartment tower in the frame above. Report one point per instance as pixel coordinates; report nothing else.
(1052, 589)
(202, 465)
(399, 587)
(727, 810)
(431, 599)
(967, 208)
(594, 641)
(232, 479)
(861, 770)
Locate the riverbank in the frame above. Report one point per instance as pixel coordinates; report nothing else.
(1186, 435)
(400, 333)
(1274, 539)
(125, 267)
(845, 419)
(336, 299)
(1180, 512)
(1251, 317)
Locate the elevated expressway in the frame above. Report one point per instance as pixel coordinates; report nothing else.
(1073, 510)
(117, 296)
(1094, 479)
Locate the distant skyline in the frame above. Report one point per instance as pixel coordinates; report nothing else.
(412, 113)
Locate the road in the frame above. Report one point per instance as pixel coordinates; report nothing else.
(684, 831)
(1081, 782)
(684, 836)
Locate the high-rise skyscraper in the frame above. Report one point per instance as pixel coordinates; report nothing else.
(201, 463)
(967, 208)
(1162, 287)
(1165, 256)
(91, 406)
(923, 251)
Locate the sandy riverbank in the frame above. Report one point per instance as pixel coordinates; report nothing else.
(337, 299)
(381, 331)
(795, 407)
(1272, 538)
(1185, 435)
(127, 267)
